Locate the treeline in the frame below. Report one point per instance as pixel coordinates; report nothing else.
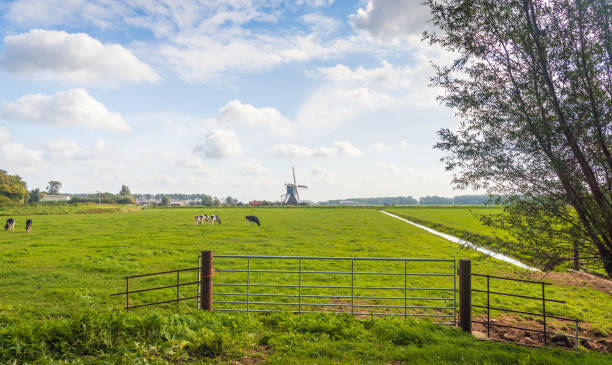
(397, 200)
(409, 200)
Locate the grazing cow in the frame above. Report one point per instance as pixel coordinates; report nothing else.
(215, 218)
(204, 218)
(197, 221)
(251, 218)
(10, 225)
(28, 225)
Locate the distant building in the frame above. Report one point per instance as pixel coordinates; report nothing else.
(54, 198)
(177, 203)
(348, 202)
(145, 202)
(255, 203)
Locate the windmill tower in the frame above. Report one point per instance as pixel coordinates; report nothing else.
(292, 197)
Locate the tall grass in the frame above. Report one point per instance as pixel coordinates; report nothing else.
(161, 337)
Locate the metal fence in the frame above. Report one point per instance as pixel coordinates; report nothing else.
(165, 275)
(544, 315)
(356, 285)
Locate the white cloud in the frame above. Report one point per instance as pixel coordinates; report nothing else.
(5, 135)
(71, 107)
(74, 58)
(380, 147)
(321, 24)
(14, 154)
(388, 166)
(346, 148)
(390, 20)
(291, 150)
(205, 57)
(255, 168)
(237, 113)
(220, 144)
(395, 168)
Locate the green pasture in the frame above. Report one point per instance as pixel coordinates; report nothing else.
(465, 218)
(71, 263)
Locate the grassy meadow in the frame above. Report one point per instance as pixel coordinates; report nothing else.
(75, 257)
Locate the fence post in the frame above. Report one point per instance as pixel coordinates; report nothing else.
(206, 289)
(465, 295)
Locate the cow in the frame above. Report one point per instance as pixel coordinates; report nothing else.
(215, 218)
(251, 218)
(204, 218)
(10, 225)
(28, 225)
(197, 221)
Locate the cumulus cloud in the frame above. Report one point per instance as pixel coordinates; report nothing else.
(291, 150)
(220, 144)
(255, 168)
(74, 58)
(71, 107)
(380, 147)
(395, 168)
(13, 153)
(238, 113)
(346, 148)
(389, 20)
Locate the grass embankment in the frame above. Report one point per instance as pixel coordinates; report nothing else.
(75, 261)
(162, 337)
(62, 208)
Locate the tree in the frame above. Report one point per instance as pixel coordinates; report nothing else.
(35, 196)
(125, 196)
(207, 200)
(125, 191)
(231, 201)
(12, 188)
(165, 200)
(532, 86)
(54, 187)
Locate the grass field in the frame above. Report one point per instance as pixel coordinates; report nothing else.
(71, 263)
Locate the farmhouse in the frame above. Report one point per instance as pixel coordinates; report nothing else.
(255, 203)
(54, 198)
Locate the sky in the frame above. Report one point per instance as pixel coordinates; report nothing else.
(222, 97)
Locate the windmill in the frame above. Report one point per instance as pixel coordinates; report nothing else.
(292, 197)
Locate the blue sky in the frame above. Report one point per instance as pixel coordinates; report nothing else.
(222, 97)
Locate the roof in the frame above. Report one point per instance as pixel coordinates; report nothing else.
(55, 197)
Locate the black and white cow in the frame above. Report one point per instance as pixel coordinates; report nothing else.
(215, 218)
(251, 218)
(28, 225)
(10, 225)
(204, 218)
(197, 221)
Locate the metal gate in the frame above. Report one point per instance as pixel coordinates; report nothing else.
(407, 287)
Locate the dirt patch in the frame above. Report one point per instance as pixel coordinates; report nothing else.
(578, 278)
(520, 336)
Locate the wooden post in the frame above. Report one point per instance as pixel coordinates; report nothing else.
(206, 283)
(465, 295)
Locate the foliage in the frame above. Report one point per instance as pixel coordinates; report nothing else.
(165, 200)
(396, 200)
(435, 200)
(531, 84)
(126, 196)
(35, 196)
(12, 189)
(53, 187)
(231, 201)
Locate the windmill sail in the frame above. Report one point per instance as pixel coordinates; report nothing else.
(292, 196)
